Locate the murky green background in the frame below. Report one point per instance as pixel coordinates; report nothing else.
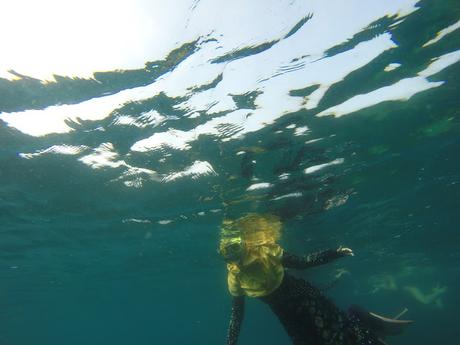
(86, 259)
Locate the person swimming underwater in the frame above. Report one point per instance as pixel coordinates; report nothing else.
(257, 266)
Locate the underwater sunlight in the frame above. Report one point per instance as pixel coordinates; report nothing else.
(166, 166)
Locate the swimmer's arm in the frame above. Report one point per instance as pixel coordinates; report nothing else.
(314, 259)
(235, 320)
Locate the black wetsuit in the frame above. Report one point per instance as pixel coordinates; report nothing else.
(306, 314)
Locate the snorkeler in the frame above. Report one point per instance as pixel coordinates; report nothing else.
(256, 268)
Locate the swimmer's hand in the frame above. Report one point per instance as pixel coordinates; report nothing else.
(344, 251)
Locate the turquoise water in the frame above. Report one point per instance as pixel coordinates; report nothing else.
(342, 120)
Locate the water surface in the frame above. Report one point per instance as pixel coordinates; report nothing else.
(343, 119)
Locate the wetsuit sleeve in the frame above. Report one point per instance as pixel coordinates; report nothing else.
(310, 260)
(235, 320)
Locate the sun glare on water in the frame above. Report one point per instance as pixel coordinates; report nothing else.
(77, 38)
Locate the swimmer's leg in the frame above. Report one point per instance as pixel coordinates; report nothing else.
(380, 325)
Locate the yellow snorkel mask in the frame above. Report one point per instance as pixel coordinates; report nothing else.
(231, 249)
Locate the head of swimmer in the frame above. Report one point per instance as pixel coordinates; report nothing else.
(241, 236)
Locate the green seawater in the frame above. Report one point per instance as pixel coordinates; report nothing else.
(95, 250)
